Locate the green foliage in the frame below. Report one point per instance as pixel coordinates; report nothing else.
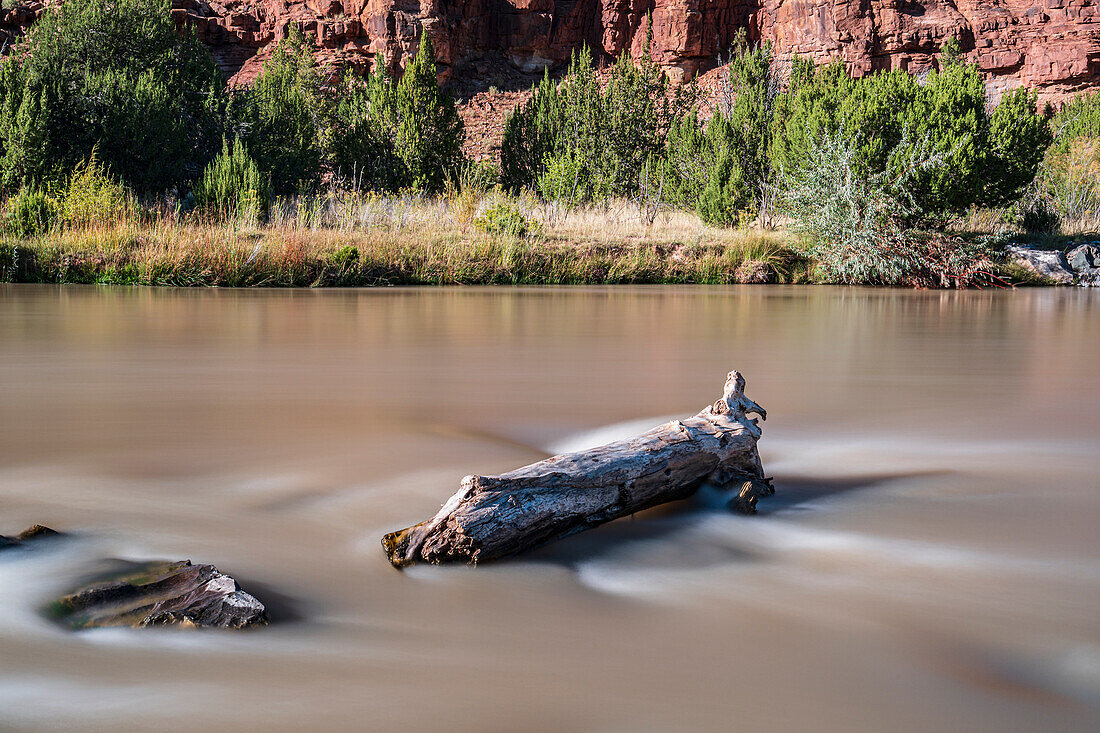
(1078, 118)
(854, 223)
(1066, 196)
(577, 140)
(848, 219)
(1017, 141)
(31, 213)
(723, 172)
(232, 186)
(346, 257)
(281, 117)
(114, 75)
(950, 52)
(1071, 179)
(980, 158)
(94, 198)
(425, 125)
(389, 136)
(359, 146)
(531, 134)
(504, 217)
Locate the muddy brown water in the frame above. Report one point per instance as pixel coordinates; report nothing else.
(931, 560)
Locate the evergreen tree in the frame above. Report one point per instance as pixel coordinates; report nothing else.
(530, 135)
(592, 142)
(115, 75)
(428, 133)
(232, 185)
(724, 173)
(389, 136)
(938, 135)
(360, 148)
(282, 116)
(1018, 139)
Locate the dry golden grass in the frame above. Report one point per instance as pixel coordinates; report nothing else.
(350, 240)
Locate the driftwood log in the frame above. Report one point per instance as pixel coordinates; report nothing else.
(495, 516)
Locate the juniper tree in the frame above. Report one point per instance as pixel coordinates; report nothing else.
(281, 117)
(114, 75)
(981, 158)
(428, 133)
(593, 141)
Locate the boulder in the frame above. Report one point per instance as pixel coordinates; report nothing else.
(1089, 277)
(1051, 264)
(1084, 258)
(30, 534)
(160, 594)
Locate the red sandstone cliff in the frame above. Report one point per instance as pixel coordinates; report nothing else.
(1052, 45)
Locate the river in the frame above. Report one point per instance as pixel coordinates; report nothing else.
(930, 561)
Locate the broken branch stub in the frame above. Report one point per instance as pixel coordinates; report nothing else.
(495, 516)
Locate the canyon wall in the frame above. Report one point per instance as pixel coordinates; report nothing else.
(1052, 45)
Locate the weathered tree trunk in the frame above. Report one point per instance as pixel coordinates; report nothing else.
(495, 516)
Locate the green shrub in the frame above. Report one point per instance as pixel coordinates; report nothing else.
(848, 219)
(389, 136)
(1078, 118)
(345, 258)
(114, 75)
(733, 154)
(232, 186)
(504, 218)
(427, 130)
(855, 224)
(358, 144)
(531, 134)
(1017, 142)
(968, 156)
(280, 118)
(94, 198)
(708, 170)
(1071, 179)
(577, 140)
(31, 213)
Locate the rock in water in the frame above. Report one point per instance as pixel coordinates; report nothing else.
(30, 534)
(161, 594)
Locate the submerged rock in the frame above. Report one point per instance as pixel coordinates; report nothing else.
(1051, 264)
(161, 594)
(30, 534)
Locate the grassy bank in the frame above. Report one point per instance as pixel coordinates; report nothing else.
(421, 250)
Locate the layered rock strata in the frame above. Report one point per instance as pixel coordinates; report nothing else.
(1052, 45)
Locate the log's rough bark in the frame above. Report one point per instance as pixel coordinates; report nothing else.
(495, 516)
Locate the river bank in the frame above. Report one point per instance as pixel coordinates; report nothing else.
(170, 254)
(196, 255)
